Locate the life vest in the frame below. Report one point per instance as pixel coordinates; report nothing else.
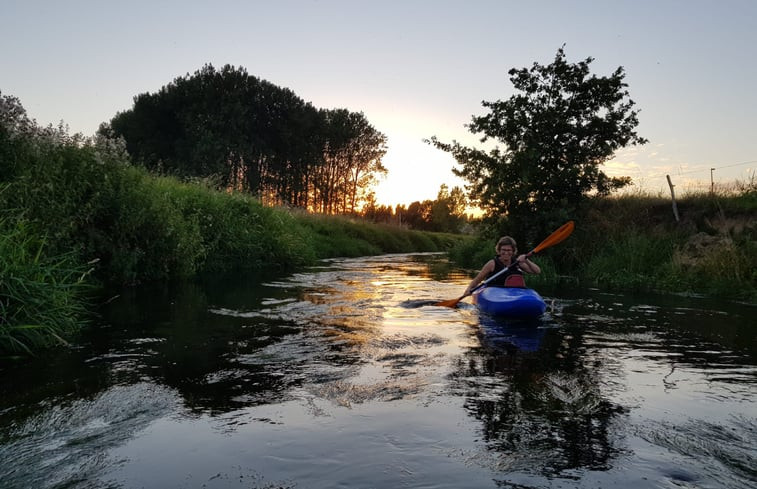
(513, 277)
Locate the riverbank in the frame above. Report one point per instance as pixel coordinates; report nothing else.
(634, 243)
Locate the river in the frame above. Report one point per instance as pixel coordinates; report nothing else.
(346, 375)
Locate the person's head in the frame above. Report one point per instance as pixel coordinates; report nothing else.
(506, 244)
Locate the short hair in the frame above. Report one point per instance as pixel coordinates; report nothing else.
(506, 241)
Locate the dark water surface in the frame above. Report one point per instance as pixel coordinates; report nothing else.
(345, 376)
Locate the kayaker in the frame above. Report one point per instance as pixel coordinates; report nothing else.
(506, 249)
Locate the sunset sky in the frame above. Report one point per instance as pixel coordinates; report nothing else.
(416, 69)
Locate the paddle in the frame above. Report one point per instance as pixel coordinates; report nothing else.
(556, 237)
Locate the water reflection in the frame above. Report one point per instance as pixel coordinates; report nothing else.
(347, 374)
(538, 412)
(505, 335)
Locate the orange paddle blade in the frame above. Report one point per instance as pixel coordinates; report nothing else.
(556, 237)
(450, 302)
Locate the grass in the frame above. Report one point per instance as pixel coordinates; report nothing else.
(41, 298)
(338, 236)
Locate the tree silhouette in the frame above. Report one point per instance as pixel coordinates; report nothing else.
(556, 133)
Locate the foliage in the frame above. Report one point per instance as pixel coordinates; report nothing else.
(334, 236)
(42, 297)
(556, 133)
(93, 207)
(630, 261)
(473, 253)
(238, 232)
(140, 234)
(446, 214)
(250, 135)
(351, 162)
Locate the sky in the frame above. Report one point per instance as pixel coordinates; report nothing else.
(415, 68)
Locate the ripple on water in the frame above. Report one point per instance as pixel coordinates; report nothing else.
(352, 366)
(723, 452)
(345, 393)
(399, 341)
(65, 444)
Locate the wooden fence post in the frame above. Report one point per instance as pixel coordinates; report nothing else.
(712, 182)
(673, 196)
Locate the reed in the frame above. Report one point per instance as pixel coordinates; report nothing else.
(42, 298)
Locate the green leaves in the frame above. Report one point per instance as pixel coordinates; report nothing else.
(42, 298)
(556, 134)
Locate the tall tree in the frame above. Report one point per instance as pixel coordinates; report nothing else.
(352, 161)
(557, 133)
(448, 210)
(250, 135)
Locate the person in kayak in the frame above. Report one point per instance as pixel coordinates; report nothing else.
(506, 249)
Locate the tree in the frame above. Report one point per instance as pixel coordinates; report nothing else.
(351, 161)
(250, 135)
(557, 133)
(448, 210)
(418, 215)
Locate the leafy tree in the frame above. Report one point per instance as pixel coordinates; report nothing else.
(445, 214)
(351, 162)
(247, 134)
(418, 215)
(557, 133)
(448, 210)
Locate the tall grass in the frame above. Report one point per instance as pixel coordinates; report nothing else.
(42, 298)
(710, 250)
(630, 262)
(237, 231)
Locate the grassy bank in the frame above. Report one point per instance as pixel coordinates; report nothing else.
(77, 215)
(633, 243)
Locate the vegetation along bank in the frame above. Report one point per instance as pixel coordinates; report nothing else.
(222, 171)
(78, 216)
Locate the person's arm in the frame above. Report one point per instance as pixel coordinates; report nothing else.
(486, 270)
(527, 265)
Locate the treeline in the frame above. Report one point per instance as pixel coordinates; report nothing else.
(237, 132)
(243, 133)
(447, 213)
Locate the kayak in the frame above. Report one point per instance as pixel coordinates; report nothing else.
(510, 302)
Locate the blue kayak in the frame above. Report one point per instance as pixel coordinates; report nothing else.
(510, 302)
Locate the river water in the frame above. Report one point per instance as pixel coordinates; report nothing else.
(345, 375)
